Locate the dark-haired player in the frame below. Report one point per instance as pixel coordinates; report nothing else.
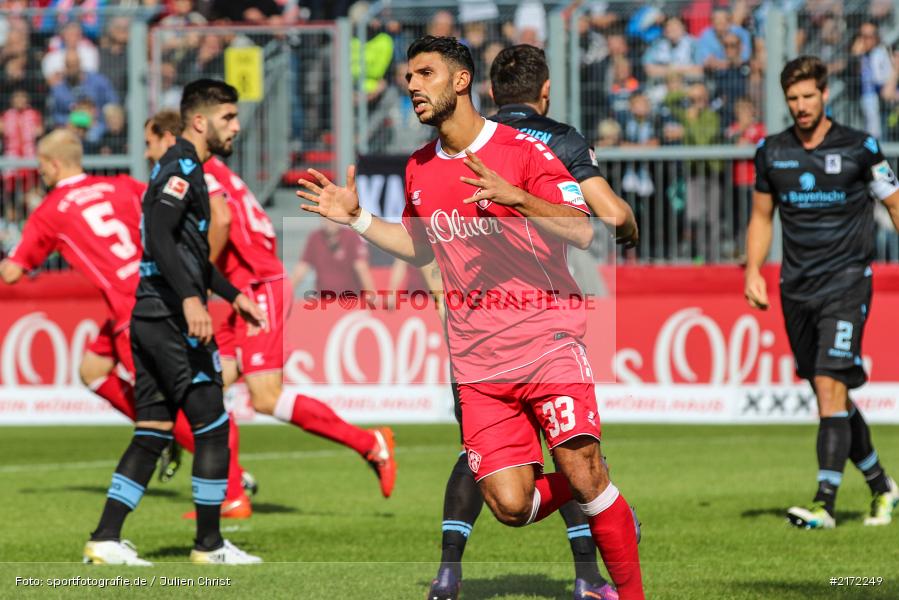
(176, 361)
(822, 176)
(522, 369)
(520, 86)
(243, 244)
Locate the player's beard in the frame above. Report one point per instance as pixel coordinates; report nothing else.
(813, 125)
(217, 146)
(441, 108)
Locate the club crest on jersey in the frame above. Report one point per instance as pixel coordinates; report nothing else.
(176, 187)
(474, 461)
(833, 164)
(416, 198)
(484, 203)
(807, 182)
(571, 193)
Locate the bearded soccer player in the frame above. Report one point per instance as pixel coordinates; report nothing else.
(520, 86)
(496, 211)
(243, 244)
(176, 362)
(822, 177)
(93, 222)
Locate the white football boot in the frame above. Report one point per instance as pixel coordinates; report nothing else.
(111, 552)
(228, 554)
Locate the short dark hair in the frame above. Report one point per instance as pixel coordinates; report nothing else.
(165, 121)
(203, 93)
(454, 52)
(517, 74)
(803, 68)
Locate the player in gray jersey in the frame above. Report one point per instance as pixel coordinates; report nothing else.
(822, 177)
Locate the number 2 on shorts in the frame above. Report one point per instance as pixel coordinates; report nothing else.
(565, 406)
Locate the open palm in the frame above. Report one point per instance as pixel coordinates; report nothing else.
(340, 204)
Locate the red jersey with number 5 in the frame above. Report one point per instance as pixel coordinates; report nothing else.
(510, 298)
(251, 254)
(94, 222)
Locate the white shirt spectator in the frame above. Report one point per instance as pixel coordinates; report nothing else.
(531, 14)
(55, 61)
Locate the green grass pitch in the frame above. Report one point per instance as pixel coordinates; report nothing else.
(711, 500)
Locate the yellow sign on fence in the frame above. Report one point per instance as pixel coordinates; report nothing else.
(243, 70)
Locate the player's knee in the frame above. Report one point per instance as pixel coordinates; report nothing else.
(93, 368)
(265, 398)
(511, 507)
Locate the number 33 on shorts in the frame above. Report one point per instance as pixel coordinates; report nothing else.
(559, 416)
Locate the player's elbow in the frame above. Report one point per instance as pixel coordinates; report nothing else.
(583, 234)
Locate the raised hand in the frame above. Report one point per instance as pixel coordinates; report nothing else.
(491, 185)
(340, 204)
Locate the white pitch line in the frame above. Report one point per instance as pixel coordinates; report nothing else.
(248, 456)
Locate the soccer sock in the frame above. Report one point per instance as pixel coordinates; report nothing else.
(863, 454)
(183, 433)
(583, 550)
(834, 439)
(210, 480)
(130, 480)
(235, 471)
(462, 503)
(551, 491)
(118, 392)
(612, 526)
(317, 417)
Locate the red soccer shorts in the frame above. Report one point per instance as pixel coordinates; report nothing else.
(114, 344)
(263, 351)
(502, 421)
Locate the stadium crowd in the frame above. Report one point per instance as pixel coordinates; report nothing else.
(681, 72)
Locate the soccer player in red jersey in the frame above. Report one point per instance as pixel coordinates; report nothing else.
(243, 244)
(521, 368)
(94, 223)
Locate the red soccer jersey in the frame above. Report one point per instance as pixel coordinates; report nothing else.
(497, 267)
(251, 254)
(94, 222)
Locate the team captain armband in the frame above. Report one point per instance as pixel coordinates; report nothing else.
(883, 181)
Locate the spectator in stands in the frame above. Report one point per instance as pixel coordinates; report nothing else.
(530, 23)
(624, 85)
(442, 24)
(69, 39)
(257, 12)
(702, 127)
(339, 258)
(61, 12)
(645, 25)
(21, 125)
(76, 85)
(115, 136)
(114, 54)
(871, 61)
(10, 230)
(20, 64)
(639, 129)
(84, 122)
(730, 82)
(175, 44)
(711, 42)
(828, 42)
(170, 97)
(746, 130)
(676, 52)
(596, 81)
(608, 133)
(207, 60)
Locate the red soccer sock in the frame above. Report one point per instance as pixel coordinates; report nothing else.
(183, 433)
(117, 392)
(551, 491)
(235, 472)
(612, 526)
(317, 417)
